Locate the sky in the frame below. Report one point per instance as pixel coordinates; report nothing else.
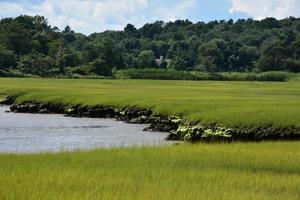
(88, 16)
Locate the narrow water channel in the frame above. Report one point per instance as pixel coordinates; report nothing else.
(32, 133)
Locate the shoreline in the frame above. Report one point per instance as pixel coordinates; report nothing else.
(177, 128)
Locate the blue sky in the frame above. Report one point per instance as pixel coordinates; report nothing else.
(88, 16)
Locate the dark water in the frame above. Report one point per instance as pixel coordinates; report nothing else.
(28, 133)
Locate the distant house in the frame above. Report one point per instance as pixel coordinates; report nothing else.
(161, 60)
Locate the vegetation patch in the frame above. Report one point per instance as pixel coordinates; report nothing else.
(159, 74)
(170, 74)
(11, 73)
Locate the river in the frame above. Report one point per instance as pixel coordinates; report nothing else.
(34, 133)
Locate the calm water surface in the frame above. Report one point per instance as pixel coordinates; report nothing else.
(29, 133)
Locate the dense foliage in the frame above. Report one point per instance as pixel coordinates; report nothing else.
(32, 46)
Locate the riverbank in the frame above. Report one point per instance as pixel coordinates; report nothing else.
(192, 111)
(177, 128)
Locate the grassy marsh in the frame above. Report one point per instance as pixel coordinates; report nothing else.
(266, 170)
(221, 171)
(225, 103)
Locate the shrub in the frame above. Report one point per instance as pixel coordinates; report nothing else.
(274, 76)
(79, 70)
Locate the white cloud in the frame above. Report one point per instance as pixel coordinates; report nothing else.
(95, 15)
(89, 16)
(260, 9)
(83, 15)
(177, 11)
(9, 8)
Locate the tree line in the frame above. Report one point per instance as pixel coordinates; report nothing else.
(31, 45)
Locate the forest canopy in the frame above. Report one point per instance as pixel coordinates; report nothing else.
(31, 45)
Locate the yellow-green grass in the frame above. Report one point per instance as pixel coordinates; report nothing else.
(219, 171)
(226, 103)
(267, 170)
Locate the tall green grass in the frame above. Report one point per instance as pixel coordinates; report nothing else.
(156, 74)
(250, 76)
(11, 73)
(221, 171)
(237, 171)
(225, 103)
(169, 74)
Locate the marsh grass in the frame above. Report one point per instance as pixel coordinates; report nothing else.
(220, 171)
(171, 74)
(266, 170)
(226, 103)
(156, 74)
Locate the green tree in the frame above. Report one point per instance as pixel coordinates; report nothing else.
(273, 56)
(219, 45)
(36, 64)
(292, 65)
(7, 59)
(99, 67)
(296, 47)
(146, 59)
(211, 55)
(130, 29)
(180, 62)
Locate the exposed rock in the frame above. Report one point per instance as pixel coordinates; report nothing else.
(43, 111)
(134, 121)
(70, 111)
(8, 100)
(194, 133)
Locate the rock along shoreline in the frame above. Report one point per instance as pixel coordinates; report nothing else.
(177, 128)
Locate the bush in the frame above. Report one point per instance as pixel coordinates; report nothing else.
(239, 76)
(79, 70)
(274, 76)
(12, 73)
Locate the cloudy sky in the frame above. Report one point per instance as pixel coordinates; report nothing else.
(88, 16)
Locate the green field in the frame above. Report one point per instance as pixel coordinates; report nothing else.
(225, 103)
(265, 170)
(221, 171)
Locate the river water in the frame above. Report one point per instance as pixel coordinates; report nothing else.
(32, 133)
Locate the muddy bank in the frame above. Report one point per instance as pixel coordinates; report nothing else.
(178, 128)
